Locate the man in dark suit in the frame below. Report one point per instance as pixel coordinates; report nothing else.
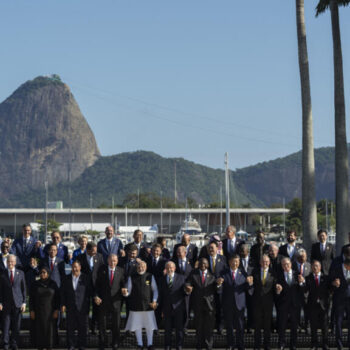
(108, 297)
(288, 303)
(155, 263)
(317, 288)
(340, 279)
(91, 262)
(62, 250)
(129, 262)
(234, 284)
(25, 247)
(5, 249)
(262, 301)
(110, 245)
(289, 249)
(258, 249)
(143, 251)
(217, 265)
(12, 302)
(231, 243)
(323, 251)
(75, 301)
(171, 303)
(275, 259)
(191, 249)
(55, 264)
(339, 260)
(346, 245)
(202, 286)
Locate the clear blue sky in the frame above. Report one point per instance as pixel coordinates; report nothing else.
(181, 78)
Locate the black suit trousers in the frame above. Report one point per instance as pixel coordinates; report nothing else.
(11, 321)
(174, 319)
(285, 312)
(204, 320)
(103, 313)
(318, 319)
(234, 320)
(77, 320)
(262, 320)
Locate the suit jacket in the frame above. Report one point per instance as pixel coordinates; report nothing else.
(62, 252)
(86, 268)
(317, 295)
(58, 273)
(234, 292)
(12, 294)
(283, 250)
(263, 293)
(256, 252)
(249, 268)
(79, 299)
(325, 258)
(339, 294)
(116, 247)
(188, 268)
(157, 270)
(24, 254)
(225, 248)
(275, 264)
(336, 262)
(142, 252)
(306, 268)
(220, 265)
(191, 255)
(128, 266)
(203, 295)
(291, 295)
(111, 295)
(170, 299)
(165, 253)
(3, 267)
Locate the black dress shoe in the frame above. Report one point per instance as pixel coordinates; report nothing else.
(313, 348)
(115, 347)
(325, 347)
(292, 348)
(179, 348)
(167, 348)
(139, 347)
(150, 347)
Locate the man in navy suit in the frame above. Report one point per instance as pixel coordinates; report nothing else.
(110, 245)
(75, 301)
(191, 249)
(108, 297)
(217, 265)
(25, 247)
(12, 302)
(171, 303)
(155, 262)
(230, 245)
(340, 279)
(129, 262)
(62, 250)
(234, 284)
(143, 250)
(55, 264)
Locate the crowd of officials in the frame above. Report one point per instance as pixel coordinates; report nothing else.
(224, 285)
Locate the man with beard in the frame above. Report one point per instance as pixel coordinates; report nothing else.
(289, 249)
(142, 293)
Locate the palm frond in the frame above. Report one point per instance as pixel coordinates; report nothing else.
(323, 5)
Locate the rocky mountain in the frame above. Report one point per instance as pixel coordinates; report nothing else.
(43, 135)
(126, 173)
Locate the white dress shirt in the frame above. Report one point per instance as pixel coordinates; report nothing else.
(75, 280)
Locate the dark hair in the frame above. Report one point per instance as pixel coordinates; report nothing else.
(137, 231)
(52, 245)
(156, 245)
(76, 262)
(26, 225)
(234, 256)
(91, 245)
(132, 247)
(321, 231)
(213, 242)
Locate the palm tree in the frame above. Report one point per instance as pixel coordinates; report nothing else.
(341, 150)
(309, 215)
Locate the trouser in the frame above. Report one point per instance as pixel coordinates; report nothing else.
(204, 321)
(11, 321)
(77, 320)
(339, 310)
(284, 313)
(234, 320)
(102, 324)
(262, 320)
(318, 317)
(175, 319)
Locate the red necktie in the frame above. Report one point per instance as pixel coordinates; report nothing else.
(51, 265)
(203, 277)
(317, 283)
(233, 276)
(11, 277)
(301, 269)
(112, 278)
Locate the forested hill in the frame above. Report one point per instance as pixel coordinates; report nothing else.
(126, 173)
(272, 181)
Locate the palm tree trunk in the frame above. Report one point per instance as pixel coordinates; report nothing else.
(341, 150)
(309, 215)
